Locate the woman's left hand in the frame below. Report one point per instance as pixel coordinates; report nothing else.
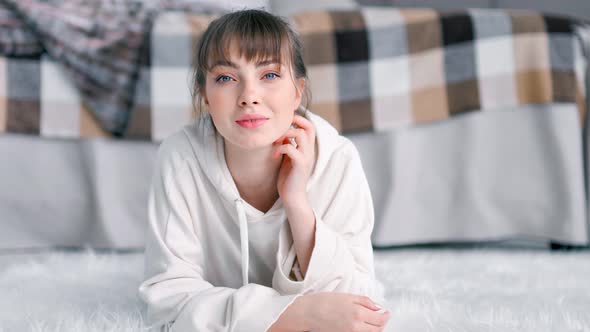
(297, 163)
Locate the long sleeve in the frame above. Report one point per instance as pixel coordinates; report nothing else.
(342, 258)
(178, 298)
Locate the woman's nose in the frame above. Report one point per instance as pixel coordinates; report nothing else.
(249, 95)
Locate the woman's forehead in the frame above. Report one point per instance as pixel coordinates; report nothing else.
(233, 51)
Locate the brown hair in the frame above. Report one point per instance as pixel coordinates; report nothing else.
(261, 36)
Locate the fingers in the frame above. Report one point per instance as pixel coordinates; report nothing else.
(300, 138)
(304, 124)
(370, 328)
(372, 314)
(289, 150)
(377, 319)
(366, 302)
(371, 321)
(304, 135)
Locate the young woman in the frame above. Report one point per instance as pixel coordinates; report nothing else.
(260, 215)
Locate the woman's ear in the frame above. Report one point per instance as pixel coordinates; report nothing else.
(203, 94)
(300, 87)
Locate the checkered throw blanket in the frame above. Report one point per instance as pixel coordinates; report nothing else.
(101, 45)
(370, 69)
(381, 68)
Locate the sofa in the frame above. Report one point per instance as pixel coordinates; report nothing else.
(502, 175)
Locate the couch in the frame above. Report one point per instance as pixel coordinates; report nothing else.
(482, 176)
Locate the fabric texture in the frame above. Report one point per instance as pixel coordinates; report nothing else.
(197, 218)
(414, 66)
(410, 66)
(16, 39)
(427, 289)
(100, 44)
(510, 174)
(489, 176)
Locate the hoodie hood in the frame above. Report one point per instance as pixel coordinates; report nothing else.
(208, 146)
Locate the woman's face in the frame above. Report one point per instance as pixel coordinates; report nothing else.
(251, 103)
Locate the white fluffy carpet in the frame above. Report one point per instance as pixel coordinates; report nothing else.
(486, 290)
(426, 290)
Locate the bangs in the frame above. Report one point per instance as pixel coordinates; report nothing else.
(257, 38)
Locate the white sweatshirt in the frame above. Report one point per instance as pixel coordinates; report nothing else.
(213, 262)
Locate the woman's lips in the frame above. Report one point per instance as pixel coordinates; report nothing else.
(252, 123)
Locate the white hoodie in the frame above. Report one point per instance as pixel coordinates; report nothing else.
(215, 263)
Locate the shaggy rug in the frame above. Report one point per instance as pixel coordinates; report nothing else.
(426, 290)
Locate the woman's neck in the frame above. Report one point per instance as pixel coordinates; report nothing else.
(255, 174)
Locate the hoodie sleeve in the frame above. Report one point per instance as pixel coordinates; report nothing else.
(178, 298)
(342, 257)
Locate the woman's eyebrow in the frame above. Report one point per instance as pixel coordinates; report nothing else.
(266, 63)
(226, 63)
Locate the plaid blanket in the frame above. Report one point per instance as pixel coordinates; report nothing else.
(99, 43)
(15, 37)
(381, 68)
(370, 69)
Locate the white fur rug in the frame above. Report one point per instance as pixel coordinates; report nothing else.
(426, 290)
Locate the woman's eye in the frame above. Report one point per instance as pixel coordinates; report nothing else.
(271, 76)
(223, 78)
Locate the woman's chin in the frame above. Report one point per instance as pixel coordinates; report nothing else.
(252, 144)
(257, 146)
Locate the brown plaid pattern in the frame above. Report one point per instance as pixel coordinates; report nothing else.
(103, 47)
(370, 69)
(380, 68)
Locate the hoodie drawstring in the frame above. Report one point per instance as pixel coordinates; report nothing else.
(243, 239)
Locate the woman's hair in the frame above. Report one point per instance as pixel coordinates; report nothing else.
(260, 36)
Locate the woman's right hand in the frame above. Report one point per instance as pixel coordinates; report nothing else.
(329, 311)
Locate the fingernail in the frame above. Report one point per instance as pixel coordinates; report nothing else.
(378, 305)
